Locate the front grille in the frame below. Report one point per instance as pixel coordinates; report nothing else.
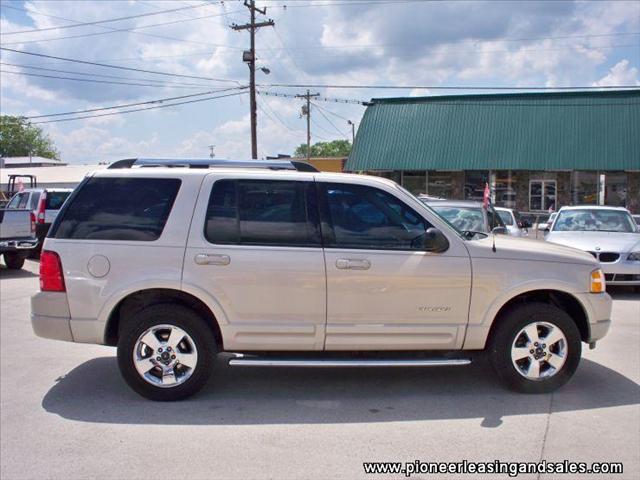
(608, 257)
(621, 277)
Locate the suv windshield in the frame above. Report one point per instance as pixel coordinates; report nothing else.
(464, 219)
(594, 220)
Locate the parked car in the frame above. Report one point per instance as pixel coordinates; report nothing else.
(636, 218)
(44, 203)
(517, 226)
(607, 233)
(17, 233)
(546, 226)
(468, 216)
(174, 265)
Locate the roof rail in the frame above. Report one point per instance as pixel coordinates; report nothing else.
(213, 163)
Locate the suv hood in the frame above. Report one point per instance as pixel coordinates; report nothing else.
(513, 248)
(597, 241)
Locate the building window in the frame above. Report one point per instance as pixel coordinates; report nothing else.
(474, 183)
(615, 189)
(415, 182)
(584, 188)
(503, 189)
(440, 184)
(542, 195)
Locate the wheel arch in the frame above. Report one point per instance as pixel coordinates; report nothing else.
(559, 298)
(140, 299)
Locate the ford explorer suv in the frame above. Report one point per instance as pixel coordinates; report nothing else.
(275, 264)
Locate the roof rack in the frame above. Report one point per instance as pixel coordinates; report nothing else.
(213, 163)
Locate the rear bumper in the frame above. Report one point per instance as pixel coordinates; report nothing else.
(18, 245)
(50, 316)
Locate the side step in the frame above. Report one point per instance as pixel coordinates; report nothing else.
(255, 361)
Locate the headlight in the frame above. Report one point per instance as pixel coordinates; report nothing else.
(634, 257)
(597, 281)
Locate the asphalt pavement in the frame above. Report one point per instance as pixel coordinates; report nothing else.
(66, 413)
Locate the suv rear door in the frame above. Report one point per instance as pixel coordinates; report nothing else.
(254, 246)
(384, 292)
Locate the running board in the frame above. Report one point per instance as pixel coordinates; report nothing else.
(253, 361)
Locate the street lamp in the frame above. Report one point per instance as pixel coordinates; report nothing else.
(353, 131)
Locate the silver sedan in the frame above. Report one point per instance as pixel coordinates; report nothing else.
(608, 233)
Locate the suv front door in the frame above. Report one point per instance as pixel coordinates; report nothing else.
(254, 247)
(384, 291)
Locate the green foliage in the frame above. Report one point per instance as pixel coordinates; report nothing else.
(19, 139)
(336, 148)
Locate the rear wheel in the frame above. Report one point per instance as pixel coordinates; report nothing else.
(166, 352)
(14, 261)
(536, 348)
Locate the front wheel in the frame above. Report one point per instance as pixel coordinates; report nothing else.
(166, 352)
(536, 348)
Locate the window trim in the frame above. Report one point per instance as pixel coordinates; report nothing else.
(326, 223)
(313, 217)
(543, 182)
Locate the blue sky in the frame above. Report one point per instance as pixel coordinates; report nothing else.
(389, 42)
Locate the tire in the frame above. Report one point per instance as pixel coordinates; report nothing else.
(518, 374)
(14, 261)
(153, 321)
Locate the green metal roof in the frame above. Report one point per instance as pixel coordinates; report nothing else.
(596, 130)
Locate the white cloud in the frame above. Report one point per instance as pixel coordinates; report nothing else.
(620, 74)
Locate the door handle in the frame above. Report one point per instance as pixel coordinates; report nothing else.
(212, 259)
(353, 264)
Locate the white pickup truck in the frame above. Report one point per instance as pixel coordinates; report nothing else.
(17, 232)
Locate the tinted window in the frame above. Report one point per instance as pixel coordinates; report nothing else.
(262, 212)
(119, 209)
(365, 217)
(19, 201)
(55, 200)
(506, 217)
(35, 198)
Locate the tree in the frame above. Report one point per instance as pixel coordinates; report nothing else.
(20, 139)
(336, 148)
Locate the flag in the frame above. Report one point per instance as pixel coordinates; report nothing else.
(20, 185)
(486, 197)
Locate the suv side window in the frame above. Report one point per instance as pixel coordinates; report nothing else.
(361, 217)
(262, 212)
(118, 209)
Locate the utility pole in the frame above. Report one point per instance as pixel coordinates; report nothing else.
(306, 110)
(353, 131)
(249, 57)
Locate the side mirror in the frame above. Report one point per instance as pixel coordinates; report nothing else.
(500, 231)
(435, 241)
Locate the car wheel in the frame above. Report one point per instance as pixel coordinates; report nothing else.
(166, 352)
(13, 261)
(536, 348)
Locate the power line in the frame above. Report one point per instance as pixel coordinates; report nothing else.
(89, 80)
(139, 109)
(132, 30)
(85, 62)
(99, 22)
(160, 82)
(323, 99)
(320, 109)
(333, 113)
(126, 105)
(441, 87)
(117, 30)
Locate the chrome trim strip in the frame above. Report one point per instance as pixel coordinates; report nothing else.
(274, 362)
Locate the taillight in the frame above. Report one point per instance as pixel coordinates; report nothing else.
(51, 276)
(41, 206)
(32, 217)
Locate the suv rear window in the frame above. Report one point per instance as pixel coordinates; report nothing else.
(55, 200)
(262, 212)
(119, 209)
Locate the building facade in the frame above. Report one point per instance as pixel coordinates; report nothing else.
(537, 151)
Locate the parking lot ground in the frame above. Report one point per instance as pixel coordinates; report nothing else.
(66, 413)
